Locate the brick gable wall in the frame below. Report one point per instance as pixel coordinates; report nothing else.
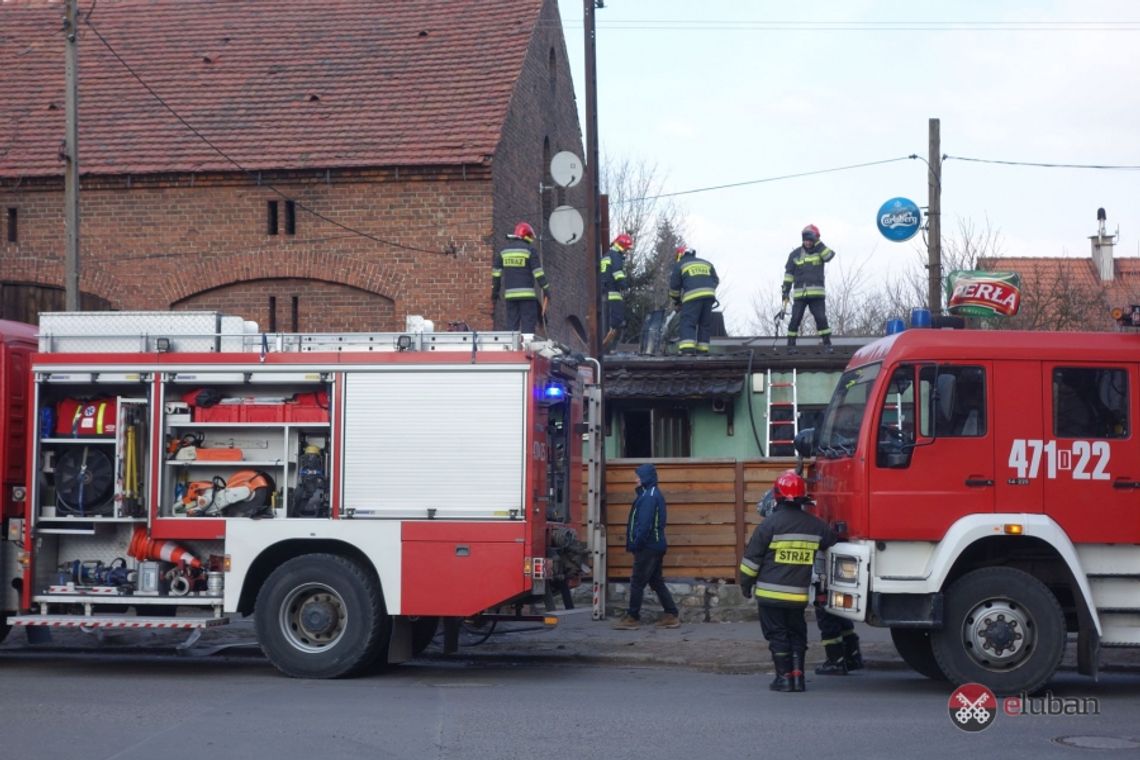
(543, 111)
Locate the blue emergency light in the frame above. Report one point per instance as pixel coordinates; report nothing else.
(553, 392)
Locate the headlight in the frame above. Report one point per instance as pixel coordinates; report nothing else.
(844, 569)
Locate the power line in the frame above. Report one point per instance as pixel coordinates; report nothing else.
(765, 179)
(235, 162)
(1117, 167)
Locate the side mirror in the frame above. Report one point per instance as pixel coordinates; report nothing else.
(805, 442)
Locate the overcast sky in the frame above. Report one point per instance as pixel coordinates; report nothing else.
(727, 91)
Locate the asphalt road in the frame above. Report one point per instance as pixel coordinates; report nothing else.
(136, 706)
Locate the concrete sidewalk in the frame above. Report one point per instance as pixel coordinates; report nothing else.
(735, 647)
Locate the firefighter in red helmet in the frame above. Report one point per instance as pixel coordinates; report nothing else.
(777, 570)
(614, 285)
(804, 271)
(515, 271)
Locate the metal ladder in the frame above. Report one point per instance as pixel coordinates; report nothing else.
(783, 432)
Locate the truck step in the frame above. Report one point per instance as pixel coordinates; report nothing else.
(1120, 629)
(1115, 593)
(117, 621)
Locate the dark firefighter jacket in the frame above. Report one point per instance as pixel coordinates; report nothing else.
(515, 270)
(646, 526)
(805, 271)
(614, 281)
(692, 278)
(778, 561)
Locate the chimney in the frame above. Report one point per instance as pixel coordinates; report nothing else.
(1102, 245)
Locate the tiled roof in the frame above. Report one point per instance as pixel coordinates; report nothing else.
(1068, 293)
(277, 85)
(673, 383)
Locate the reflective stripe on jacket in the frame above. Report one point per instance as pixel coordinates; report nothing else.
(692, 278)
(804, 271)
(515, 271)
(780, 555)
(614, 280)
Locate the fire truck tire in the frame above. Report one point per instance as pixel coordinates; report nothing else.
(914, 647)
(1001, 627)
(4, 627)
(423, 631)
(322, 616)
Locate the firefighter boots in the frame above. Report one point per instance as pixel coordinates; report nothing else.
(835, 664)
(783, 679)
(852, 657)
(797, 674)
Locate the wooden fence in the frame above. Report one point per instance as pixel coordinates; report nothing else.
(711, 512)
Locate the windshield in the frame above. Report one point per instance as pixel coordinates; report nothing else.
(839, 433)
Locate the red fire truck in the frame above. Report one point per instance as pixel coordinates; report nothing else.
(986, 488)
(347, 491)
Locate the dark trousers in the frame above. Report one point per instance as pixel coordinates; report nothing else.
(616, 314)
(818, 308)
(522, 314)
(647, 570)
(696, 325)
(784, 627)
(831, 627)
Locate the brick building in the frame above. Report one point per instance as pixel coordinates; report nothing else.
(426, 125)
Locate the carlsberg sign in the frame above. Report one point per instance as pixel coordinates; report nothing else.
(899, 219)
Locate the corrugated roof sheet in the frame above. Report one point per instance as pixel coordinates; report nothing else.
(335, 83)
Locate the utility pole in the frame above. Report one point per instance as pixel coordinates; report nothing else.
(593, 213)
(597, 498)
(934, 219)
(71, 151)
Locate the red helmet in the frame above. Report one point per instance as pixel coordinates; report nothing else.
(524, 231)
(790, 487)
(624, 241)
(811, 232)
(682, 249)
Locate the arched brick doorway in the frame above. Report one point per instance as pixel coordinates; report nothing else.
(298, 305)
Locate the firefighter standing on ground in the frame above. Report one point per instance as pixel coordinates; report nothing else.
(516, 270)
(777, 570)
(692, 286)
(804, 271)
(614, 285)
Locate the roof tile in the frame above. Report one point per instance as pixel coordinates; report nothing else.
(412, 82)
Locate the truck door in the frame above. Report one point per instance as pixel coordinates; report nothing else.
(1018, 416)
(1090, 455)
(934, 460)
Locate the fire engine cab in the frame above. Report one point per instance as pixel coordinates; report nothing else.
(347, 491)
(986, 489)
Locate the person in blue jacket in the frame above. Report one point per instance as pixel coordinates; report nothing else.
(645, 539)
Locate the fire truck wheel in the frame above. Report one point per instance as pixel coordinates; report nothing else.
(913, 645)
(4, 627)
(322, 616)
(1003, 628)
(423, 631)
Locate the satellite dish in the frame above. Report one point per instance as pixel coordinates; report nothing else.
(566, 225)
(566, 169)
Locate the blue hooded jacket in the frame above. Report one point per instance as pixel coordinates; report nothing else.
(646, 526)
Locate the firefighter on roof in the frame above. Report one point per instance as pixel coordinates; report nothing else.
(804, 271)
(515, 271)
(777, 570)
(692, 286)
(614, 284)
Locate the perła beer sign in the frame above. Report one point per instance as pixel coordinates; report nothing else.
(983, 294)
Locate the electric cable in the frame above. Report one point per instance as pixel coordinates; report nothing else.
(1043, 164)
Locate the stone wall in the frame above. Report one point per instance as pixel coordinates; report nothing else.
(698, 601)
